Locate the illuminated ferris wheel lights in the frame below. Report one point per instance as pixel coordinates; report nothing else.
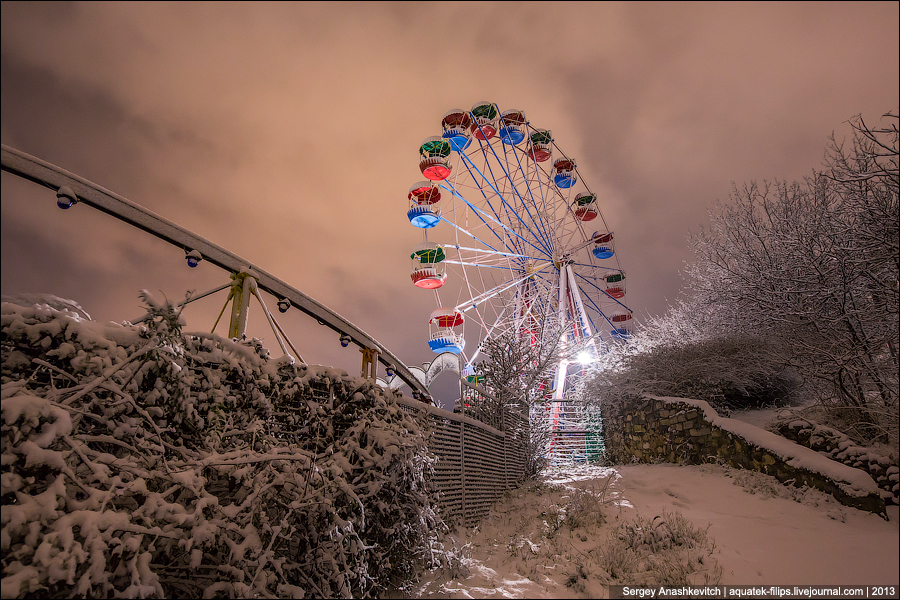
(518, 252)
(539, 146)
(564, 173)
(615, 285)
(443, 337)
(428, 272)
(484, 115)
(434, 158)
(586, 206)
(603, 247)
(621, 322)
(423, 212)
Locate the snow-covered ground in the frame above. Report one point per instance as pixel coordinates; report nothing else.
(758, 532)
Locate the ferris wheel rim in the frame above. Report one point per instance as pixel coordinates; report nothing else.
(511, 216)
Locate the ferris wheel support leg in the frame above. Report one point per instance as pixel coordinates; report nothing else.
(579, 306)
(561, 372)
(561, 315)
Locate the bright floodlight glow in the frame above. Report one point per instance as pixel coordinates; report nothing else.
(585, 357)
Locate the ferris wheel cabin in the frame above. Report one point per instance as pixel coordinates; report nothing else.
(434, 158)
(564, 172)
(423, 198)
(484, 115)
(603, 245)
(443, 338)
(621, 322)
(615, 285)
(586, 206)
(539, 147)
(512, 127)
(428, 272)
(457, 124)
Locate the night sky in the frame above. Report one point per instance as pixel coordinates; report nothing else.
(288, 133)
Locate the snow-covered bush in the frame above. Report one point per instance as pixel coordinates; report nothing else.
(667, 550)
(793, 294)
(141, 461)
(727, 368)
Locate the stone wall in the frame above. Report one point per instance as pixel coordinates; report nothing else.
(679, 430)
(881, 465)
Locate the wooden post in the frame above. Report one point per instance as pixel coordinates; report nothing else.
(240, 307)
(369, 362)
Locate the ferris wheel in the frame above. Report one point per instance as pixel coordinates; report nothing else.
(513, 240)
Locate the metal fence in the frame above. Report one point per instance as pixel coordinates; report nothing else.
(476, 462)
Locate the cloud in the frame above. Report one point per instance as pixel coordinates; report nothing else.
(287, 132)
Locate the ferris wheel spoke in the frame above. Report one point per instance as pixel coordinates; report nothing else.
(582, 245)
(479, 265)
(468, 233)
(540, 223)
(598, 310)
(512, 211)
(506, 173)
(505, 254)
(481, 215)
(576, 228)
(483, 297)
(515, 191)
(605, 293)
(590, 266)
(489, 331)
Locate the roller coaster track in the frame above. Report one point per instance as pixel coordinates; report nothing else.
(53, 177)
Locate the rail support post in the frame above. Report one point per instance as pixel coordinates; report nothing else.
(369, 362)
(240, 307)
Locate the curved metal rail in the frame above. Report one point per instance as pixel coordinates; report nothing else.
(53, 177)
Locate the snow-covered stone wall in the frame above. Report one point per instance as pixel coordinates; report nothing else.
(680, 430)
(880, 464)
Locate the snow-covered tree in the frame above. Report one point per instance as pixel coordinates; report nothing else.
(518, 365)
(815, 266)
(793, 292)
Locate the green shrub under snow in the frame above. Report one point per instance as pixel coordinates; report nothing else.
(138, 461)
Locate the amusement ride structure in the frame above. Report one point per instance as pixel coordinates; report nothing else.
(514, 243)
(246, 281)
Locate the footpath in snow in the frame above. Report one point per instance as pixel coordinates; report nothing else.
(545, 541)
